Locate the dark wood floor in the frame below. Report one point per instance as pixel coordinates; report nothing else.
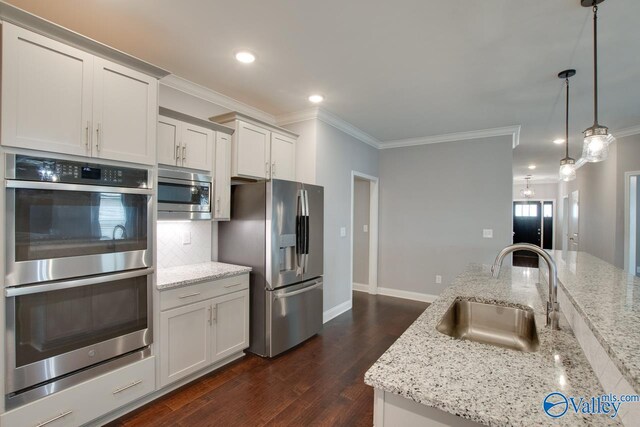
(318, 383)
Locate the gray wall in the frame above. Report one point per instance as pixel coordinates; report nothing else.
(435, 200)
(337, 155)
(638, 229)
(601, 187)
(361, 198)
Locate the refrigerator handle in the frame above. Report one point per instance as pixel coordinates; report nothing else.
(305, 219)
(300, 232)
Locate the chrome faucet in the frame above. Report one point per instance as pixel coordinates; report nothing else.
(553, 309)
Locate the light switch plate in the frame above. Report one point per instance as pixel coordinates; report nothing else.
(343, 231)
(438, 278)
(365, 228)
(186, 238)
(487, 233)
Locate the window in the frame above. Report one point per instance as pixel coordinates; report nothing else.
(548, 210)
(526, 210)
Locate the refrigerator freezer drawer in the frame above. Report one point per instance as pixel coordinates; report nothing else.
(296, 314)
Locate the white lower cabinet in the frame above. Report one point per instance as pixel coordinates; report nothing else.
(87, 401)
(201, 325)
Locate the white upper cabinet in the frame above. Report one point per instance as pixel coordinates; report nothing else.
(222, 206)
(168, 146)
(184, 144)
(61, 99)
(283, 157)
(260, 150)
(251, 151)
(125, 104)
(197, 147)
(46, 93)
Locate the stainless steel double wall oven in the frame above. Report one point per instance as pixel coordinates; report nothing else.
(78, 271)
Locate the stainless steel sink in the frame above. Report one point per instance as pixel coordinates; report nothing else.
(497, 324)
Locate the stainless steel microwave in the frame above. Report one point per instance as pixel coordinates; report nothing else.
(183, 195)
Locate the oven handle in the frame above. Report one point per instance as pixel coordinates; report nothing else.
(185, 182)
(35, 185)
(67, 284)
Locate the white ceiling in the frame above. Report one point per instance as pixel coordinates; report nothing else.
(396, 70)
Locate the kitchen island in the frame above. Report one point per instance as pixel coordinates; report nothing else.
(429, 378)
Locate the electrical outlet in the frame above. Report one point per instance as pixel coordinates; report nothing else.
(186, 238)
(487, 233)
(343, 231)
(438, 278)
(365, 228)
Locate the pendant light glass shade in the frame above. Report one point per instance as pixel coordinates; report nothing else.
(567, 169)
(597, 140)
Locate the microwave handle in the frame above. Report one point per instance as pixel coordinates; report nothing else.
(17, 291)
(37, 185)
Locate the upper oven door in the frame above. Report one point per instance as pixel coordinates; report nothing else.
(184, 198)
(59, 231)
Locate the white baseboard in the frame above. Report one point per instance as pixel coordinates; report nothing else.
(416, 296)
(336, 311)
(359, 287)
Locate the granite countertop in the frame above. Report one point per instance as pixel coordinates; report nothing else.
(608, 300)
(174, 277)
(484, 383)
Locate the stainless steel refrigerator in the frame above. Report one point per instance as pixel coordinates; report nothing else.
(276, 228)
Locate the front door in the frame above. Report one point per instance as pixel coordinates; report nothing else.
(526, 229)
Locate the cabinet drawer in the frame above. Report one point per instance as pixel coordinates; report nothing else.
(89, 400)
(172, 298)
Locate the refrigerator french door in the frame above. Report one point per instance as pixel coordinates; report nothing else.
(276, 228)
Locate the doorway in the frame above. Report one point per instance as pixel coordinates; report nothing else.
(364, 232)
(533, 222)
(632, 223)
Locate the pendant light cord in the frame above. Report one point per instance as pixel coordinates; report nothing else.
(566, 123)
(595, 63)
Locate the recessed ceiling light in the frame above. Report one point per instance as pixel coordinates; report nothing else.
(532, 167)
(558, 141)
(245, 57)
(316, 99)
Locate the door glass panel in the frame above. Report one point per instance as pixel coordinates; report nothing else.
(183, 194)
(51, 323)
(57, 224)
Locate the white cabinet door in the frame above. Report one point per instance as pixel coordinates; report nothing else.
(231, 324)
(222, 177)
(168, 147)
(46, 93)
(251, 151)
(125, 104)
(197, 147)
(185, 341)
(283, 157)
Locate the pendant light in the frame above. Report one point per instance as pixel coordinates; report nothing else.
(596, 138)
(527, 192)
(567, 164)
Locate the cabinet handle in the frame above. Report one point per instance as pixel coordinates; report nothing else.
(126, 387)
(266, 169)
(184, 154)
(56, 418)
(177, 154)
(217, 204)
(98, 137)
(210, 316)
(189, 295)
(273, 169)
(215, 314)
(234, 285)
(86, 132)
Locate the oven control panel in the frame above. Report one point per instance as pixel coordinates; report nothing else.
(64, 171)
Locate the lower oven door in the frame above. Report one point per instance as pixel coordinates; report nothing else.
(57, 328)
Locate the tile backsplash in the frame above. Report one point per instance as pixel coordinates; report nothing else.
(172, 249)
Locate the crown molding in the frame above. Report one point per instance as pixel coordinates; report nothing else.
(330, 119)
(621, 133)
(513, 131)
(209, 95)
